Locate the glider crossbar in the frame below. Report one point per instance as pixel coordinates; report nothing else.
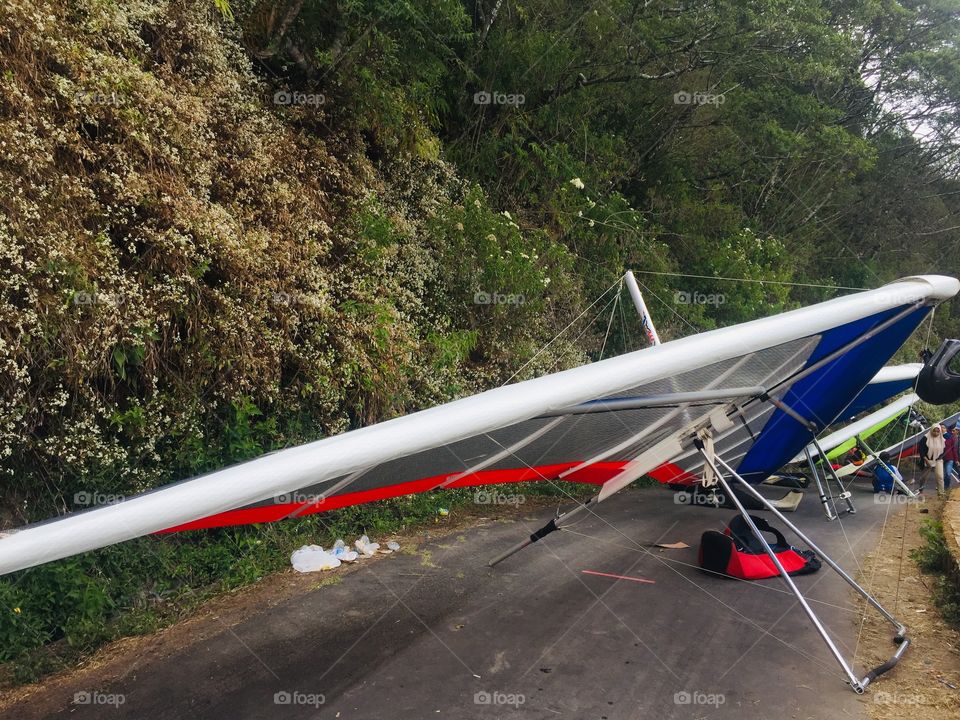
(653, 401)
(550, 527)
(857, 684)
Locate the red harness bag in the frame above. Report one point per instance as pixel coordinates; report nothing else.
(738, 553)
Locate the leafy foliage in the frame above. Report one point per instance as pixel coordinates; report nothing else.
(934, 558)
(238, 226)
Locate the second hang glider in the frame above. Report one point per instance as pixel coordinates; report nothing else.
(827, 449)
(737, 402)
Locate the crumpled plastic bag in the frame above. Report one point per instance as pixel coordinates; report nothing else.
(343, 553)
(365, 547)
(312, 558)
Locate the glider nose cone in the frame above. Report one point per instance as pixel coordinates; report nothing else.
(939, 287)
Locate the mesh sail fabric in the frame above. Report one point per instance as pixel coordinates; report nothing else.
(552, 448)
(589, 447)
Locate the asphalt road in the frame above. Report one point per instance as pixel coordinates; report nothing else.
(440, 635)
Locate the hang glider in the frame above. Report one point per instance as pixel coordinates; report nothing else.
(891, 456)
(761, 389)
(841, 441)
(890, 381)
(728, 406)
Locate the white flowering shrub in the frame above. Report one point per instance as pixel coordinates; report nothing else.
(193, 277)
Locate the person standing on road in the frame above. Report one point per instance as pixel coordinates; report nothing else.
(932, 448)
(949, 455)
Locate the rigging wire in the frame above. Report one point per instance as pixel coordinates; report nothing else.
(886, 516)
(613, 312)
(667, 565)
(749, 583)
(903, 534)
(614, 300)
(559, 334)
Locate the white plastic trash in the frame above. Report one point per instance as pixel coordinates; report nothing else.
(342, 553)
(312, 558)
(365, 547)
(391, 547)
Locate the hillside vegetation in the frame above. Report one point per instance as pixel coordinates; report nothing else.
(227, 228)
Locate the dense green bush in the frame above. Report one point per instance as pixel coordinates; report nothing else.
(194, 275)
(935, 559)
